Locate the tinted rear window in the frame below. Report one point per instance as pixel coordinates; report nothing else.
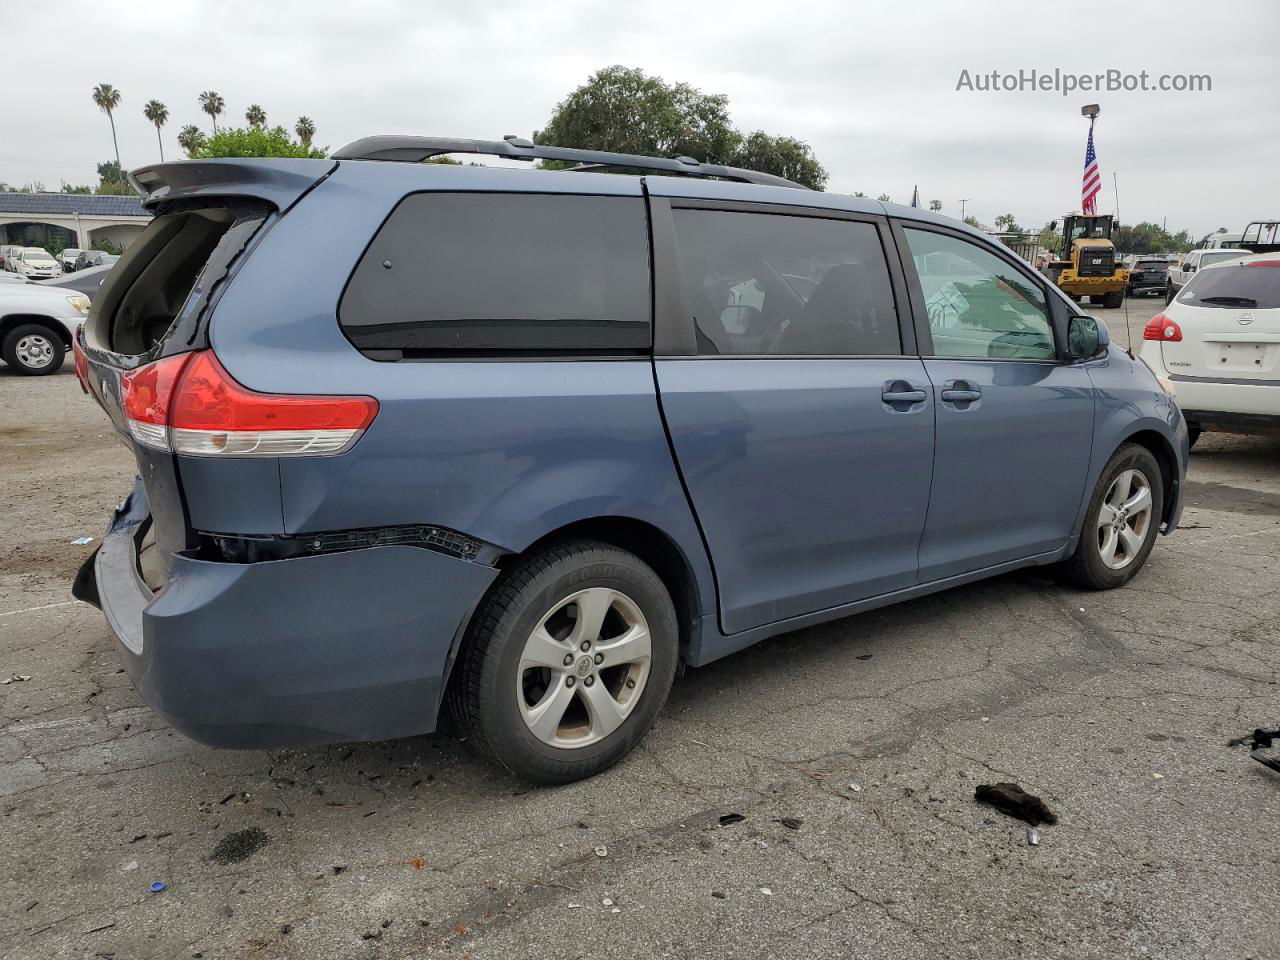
(1235, 286)
(498, 273)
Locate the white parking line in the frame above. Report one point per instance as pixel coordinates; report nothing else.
(47, 606)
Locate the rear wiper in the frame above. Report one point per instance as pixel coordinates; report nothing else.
(1234, 301)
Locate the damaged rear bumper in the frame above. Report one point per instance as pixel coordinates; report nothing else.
(343, 646)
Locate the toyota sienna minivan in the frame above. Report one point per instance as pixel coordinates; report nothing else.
(519, 443)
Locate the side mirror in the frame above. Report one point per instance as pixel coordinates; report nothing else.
(1086, 337)
(1190, 268)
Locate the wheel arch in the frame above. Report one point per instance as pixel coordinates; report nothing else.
(9, 321)
(643, 539)
(1162, 450)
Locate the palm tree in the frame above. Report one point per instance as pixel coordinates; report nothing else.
(107, 98)
(190, 139)
(211, 102)
(935, 205)
(305, 129)
(256, 116)
(158, 114)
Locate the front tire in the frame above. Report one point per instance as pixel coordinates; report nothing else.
(1113, 300)
(566, 663)
(1121, 523)
(33, 350)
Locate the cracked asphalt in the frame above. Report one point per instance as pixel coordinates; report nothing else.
(1114, 707)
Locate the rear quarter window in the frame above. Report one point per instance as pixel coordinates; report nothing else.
(475, 274)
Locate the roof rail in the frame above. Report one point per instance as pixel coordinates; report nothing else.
(417, 149)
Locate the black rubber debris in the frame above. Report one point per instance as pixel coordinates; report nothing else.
(1259, 739)
(1012, 800)
(728, 818)
(791, 823)
(240, 845)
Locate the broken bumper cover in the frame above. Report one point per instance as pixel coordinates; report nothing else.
(342, 646)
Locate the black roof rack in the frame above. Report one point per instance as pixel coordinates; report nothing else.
(418, 149)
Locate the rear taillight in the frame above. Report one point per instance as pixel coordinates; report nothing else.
(189, 404)
(81, 361)
(1161, 327)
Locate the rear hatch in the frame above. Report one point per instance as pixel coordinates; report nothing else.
(1148, 273)
(1229, 317)
(155, 305)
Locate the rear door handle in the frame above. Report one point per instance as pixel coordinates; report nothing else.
(903, 396)
(955, 395)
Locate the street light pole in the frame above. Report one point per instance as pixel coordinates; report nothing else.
(962, 203)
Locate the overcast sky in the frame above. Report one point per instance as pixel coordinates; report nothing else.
(871, 86)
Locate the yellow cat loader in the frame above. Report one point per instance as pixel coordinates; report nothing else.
(1091, 268)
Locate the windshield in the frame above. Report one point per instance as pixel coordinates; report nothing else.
(37, 256)
(1090, 227)
(1239, 286)
(1150, 265)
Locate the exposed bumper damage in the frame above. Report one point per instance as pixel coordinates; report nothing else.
(341, 646)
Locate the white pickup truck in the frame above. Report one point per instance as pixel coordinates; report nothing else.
(1179, 273)
(37, 324)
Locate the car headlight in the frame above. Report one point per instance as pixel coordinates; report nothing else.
(80, 302)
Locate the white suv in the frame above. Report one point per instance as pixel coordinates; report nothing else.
(37, 324)
(1218, 342)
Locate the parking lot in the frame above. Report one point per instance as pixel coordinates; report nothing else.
(850, 751)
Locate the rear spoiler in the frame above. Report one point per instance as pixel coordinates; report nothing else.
(279, 182)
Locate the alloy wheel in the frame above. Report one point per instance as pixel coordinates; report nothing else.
(1124, 517)
(583, 668)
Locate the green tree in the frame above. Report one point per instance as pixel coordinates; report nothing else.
(256, 142)
(158, 114)
(935, 206)
(190, 139)
(1050, 239)
(69, 188)
(256, 116)
(977, 224)
(305, 128)
(858, 193)
(884, 198)
(1149, 238)
(1008, 223)
(211, 102)
(783, 157)
(107, 98)
(624, 110)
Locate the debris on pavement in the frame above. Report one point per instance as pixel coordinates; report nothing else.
(606, 902)
(1157, 776)
(1259, 738)
(1033, 836)
(1011, 800)
(791, 823)
(766, 891)
(16, 678)
(864, 656)
(855, 787)
(157, 886)
(81, 541)
(238, 846)
(730, 818)
(718, 895)
(602, 851)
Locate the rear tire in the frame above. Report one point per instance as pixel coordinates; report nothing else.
(33, 350)
(1113, 300)
(518, 701)
(1114, 545)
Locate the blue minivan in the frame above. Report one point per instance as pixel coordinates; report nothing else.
(516, 444)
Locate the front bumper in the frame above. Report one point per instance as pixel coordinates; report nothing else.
(342, 646)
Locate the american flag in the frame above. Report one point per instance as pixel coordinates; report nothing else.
(1092, 182)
